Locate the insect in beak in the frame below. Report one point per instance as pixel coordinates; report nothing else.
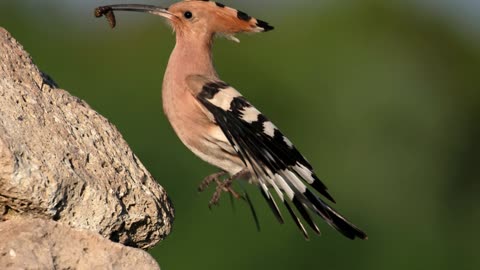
(107, 11)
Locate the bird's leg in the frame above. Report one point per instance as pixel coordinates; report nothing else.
(226, 186)
(211, 178)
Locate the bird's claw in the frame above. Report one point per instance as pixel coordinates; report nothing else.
(225, 186)
(222, 186)
(209, 179)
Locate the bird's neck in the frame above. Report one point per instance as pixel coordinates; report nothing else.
(190, 56)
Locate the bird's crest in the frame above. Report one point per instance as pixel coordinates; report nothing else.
(232, 20)
(216, 18)
(196, 16)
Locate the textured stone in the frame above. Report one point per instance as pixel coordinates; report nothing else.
(61, 160)
(45, 244)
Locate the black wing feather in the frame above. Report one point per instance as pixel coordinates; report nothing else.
(260, 151)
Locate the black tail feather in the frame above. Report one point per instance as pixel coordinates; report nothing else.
(321, 188)
(252, 210)
(297, 220)
(344, 226)
(306, 216)
(318, 204)
(334, 219)
(273, 206)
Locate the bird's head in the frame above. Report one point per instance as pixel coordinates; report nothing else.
(196, 18)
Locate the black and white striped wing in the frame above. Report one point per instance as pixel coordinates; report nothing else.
(271, 157)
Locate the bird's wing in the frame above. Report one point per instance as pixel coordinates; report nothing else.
(270, 156)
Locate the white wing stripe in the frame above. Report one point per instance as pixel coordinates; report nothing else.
(250, 114)
(269, 128)
(224, 98)
(284, 186)
(294, 180)
(304, 172)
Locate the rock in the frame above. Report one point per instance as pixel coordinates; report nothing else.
(45, 244)
(61, 160)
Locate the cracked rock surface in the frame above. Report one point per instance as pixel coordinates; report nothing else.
(61, 160)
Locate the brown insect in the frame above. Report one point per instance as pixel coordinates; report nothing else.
(108, 13)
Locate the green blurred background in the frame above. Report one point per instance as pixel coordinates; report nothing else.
(381, 96)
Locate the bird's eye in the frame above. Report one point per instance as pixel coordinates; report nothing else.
(187, 14)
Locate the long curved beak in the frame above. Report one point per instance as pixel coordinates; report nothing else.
(107, 11)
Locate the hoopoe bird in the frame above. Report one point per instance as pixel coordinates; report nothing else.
(221, 127)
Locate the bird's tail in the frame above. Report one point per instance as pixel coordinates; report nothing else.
(341, 224)
(296, 193)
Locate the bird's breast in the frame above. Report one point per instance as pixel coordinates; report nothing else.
(196, 131)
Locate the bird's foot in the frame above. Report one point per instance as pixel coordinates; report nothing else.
(225, 186)
(222, 186)
(209, 179)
